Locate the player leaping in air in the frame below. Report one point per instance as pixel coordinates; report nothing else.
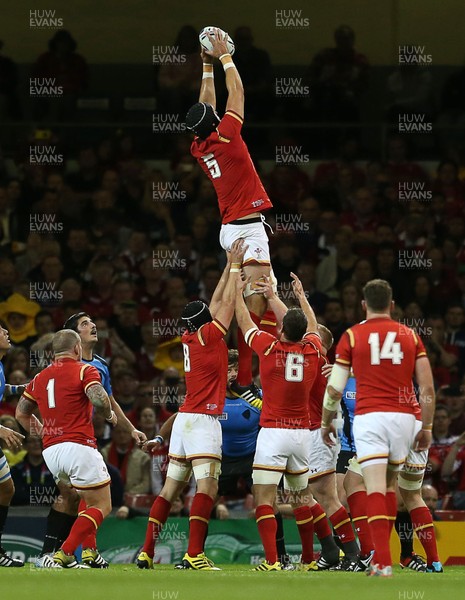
(221, 152)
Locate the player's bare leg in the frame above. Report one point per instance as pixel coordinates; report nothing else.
(324, 489)
(206, 473)
(98, 503)
(421, 519)
(178, 475)
(341, 493)
(257, 305)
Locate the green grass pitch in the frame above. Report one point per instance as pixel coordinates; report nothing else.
(234, 582)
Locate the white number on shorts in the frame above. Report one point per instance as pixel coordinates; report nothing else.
(391, 349)
(187, 360)
(294, 367)
(212, 165)
(51, 393)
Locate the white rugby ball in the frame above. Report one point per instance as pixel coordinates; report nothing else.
(205, 41)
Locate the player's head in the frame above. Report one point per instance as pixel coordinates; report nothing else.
(67, 342)
(294, 324)
(202, 119)
(196, 314)
(327, 339)
(5, 343)
(377, 296)
(83, 325)
(233, 366)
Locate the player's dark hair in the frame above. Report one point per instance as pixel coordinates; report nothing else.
(233, 357)
(442, 407)
(202, 119)
(196, 314)
(73, 320)
(294, 324)
(377, 293)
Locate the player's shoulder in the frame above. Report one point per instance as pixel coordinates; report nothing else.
(97, 361)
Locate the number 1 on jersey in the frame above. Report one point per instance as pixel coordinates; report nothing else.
(51, 393)
(391, 349)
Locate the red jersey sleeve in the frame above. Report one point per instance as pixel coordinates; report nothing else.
(344, 349)
(260, 341)
(211, 332)
(89, 376)
(315, 339)
(230, 126)
(420, 347)
(29, 391)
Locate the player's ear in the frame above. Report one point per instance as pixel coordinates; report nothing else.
(393, 305)
(364, 306)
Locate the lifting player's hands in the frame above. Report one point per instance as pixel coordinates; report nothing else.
(206, 59)
(297, 287)
(264, 287)
(329, 435)
(219, 44)
(237, 251)
(13, 439)
(422, 440)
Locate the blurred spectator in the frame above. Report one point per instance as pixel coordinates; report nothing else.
(455, 334)
(399, 167)
(307, 275)
(437, 327)
(440, 446)
(125, 322)
(454, 466)
(334, 319)
(454, 397)
(10, 106)
(178, 83)
(363, 221)
(87, 177)
(328, 223)
(338, 77)
(102, 429)
(430, 497)
(351, 299)
(132, 463)
(285, 260)
(8, 278)
(18, 314)
(363, 272)
(34, 484)
(410, 91)
(337, 268)
(124, 386)
(254, 67)
(67, 69)
(145, 357)
(77, 252)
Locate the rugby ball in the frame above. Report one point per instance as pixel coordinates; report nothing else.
(205, 42)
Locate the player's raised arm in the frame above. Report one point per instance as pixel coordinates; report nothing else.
(242, 312)
(265, 286)
(312, 324)
(225, 312)
(234, 85)
(99, 398)
(424, 377)
(207, 87)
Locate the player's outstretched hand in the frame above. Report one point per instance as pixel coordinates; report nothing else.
(297, 286)
(237, 252)
(422, 440)
(138, 436)
(219, 44)
(13, 439)
(208, 60)
(326, 370)
(326, 433)
(151, 446)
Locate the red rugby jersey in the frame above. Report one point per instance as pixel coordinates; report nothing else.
(382, 353)
(317, 394)
(226, 160)
(206, 369)
(60, 393)
(287, 373)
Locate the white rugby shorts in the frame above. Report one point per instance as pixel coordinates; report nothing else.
(383, 437)
(80, 466)
(195, 435)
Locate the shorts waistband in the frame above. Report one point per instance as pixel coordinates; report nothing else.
(245, 221)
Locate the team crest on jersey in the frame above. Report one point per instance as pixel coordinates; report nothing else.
(258, 253)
